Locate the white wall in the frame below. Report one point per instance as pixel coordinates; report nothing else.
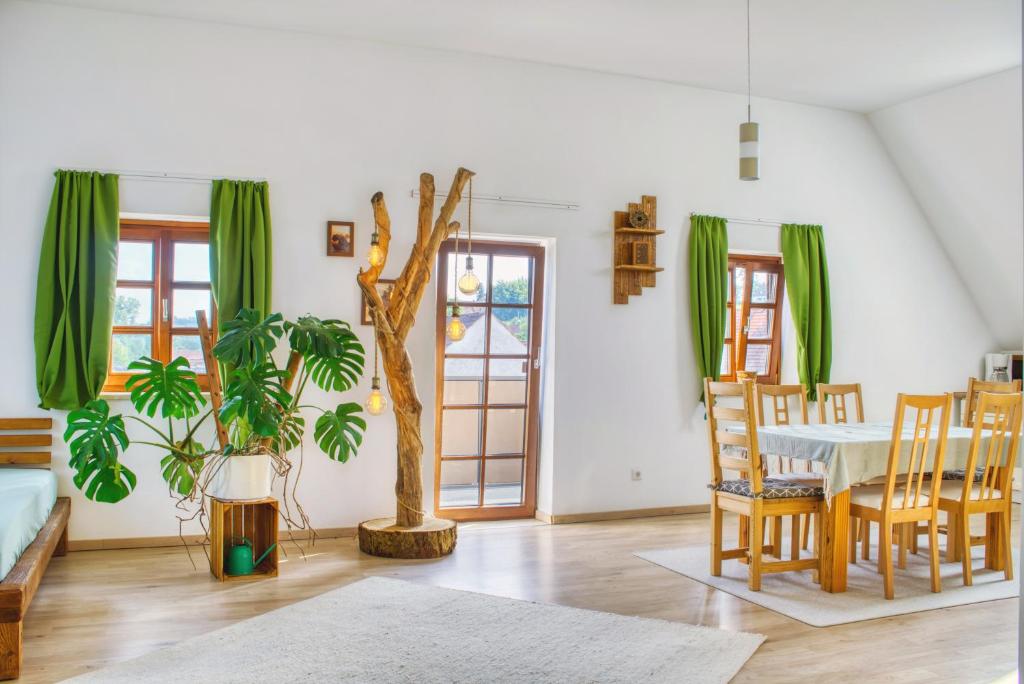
(330, 122)
(960, 151)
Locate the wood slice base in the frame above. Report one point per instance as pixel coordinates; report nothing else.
(433, 539)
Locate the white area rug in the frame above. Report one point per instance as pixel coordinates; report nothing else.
(383, 630)
(794, 594)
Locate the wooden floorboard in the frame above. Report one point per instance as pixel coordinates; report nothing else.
(99, 607)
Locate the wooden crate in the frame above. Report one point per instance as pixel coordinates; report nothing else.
(256, 520)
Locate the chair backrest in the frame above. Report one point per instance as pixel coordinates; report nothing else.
(1003, 438)
(974, 386)
(780, 395)
(744, 456)
(17, 434)
(906, 481)
(838, 393)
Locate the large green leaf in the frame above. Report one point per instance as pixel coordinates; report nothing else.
(310, 335)
(95, 439)
(179, 473)
(108, 485)
(333, 353)
(246, 340)
(181, 468)
(172, 388)
(93, 433)
(289, 433)
(340, 432)
(255, 393)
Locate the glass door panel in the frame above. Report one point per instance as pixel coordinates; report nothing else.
(488, 383)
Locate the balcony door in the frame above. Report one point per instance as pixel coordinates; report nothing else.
(488, 384)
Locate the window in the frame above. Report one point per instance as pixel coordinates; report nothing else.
(753, 317)
(163, 278)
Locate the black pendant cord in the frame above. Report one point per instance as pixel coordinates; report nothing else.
(376, 375)
(455, 275)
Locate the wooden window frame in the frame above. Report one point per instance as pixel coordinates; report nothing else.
(737, 340)
(531, 446)
(162, 234)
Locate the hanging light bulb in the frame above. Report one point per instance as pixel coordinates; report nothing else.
(376, 255)
(749, 136)
(456, 328)
(376, 402)
(469, 283)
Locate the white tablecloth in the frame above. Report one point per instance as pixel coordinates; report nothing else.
(855, 453)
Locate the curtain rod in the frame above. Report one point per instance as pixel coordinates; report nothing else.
(518, 201)
(768, 223)
(157, 176)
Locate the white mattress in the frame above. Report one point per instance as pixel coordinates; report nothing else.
(27, 496)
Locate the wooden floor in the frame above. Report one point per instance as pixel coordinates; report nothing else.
(100, 607)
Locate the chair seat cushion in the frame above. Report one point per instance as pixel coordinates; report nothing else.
(870, 496)
(772, 488)
(952, 489)
(807, 479)
(961, 474)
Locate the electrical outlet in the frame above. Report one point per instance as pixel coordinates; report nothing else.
(635, 474)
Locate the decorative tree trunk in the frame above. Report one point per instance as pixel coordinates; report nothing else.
(405, 535)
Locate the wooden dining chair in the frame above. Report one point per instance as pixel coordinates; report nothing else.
(990, 491)
(755, 497)
(781, 396)
(967, 419)
(975, 387)
(908, 496)
(838, 394)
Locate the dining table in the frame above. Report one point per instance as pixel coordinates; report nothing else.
(853, 454)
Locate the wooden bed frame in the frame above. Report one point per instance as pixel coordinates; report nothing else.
(19, 587)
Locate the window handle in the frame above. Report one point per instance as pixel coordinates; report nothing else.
(165, 309)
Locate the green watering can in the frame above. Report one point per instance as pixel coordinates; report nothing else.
(239, 559)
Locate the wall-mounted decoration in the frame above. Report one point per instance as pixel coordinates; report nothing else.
(341, 238)
(635, 251)
(642, 254)
(638, 218)
(385, 287)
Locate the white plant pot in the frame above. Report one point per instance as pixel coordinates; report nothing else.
(242, 477)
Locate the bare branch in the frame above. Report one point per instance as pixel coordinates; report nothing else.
(421, 262)
(426, 212)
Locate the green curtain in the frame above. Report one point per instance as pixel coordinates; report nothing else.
(803, 256)
(240, 247)
(75, 289)
(709, 289)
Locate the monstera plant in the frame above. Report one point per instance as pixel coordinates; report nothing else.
(262, 409)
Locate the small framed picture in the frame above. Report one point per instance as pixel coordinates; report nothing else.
(385, 286)
(341, 238)
(642, 254)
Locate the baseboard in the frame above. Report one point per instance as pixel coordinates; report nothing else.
(340, 532)
(193, 540)
(620, 515)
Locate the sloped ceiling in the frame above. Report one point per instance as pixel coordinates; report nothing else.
(859, 55)
(960, 152)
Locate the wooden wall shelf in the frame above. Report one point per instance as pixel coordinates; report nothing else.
(635, 249)
(634, 267)
(640, 231)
